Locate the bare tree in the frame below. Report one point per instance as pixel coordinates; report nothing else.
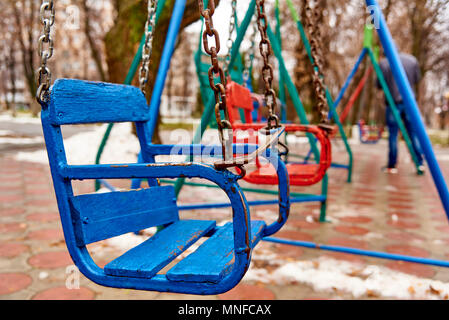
(8, 60)
(90, 17)
(24, 13)
(123, 38)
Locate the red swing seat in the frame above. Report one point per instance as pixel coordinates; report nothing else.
(370, 133)
(239, 97)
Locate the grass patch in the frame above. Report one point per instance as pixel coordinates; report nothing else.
(174, 126)
(439, 138)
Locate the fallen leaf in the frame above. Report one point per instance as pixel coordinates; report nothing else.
(434, 291)
(411, 290)
(372, 294)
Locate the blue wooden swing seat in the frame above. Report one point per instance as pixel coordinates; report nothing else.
(216, 266)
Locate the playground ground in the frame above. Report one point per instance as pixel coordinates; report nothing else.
(390, 213)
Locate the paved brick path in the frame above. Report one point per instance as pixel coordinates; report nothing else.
(390, 213)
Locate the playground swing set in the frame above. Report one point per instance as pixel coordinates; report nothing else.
(239, 97)
(94, 217)
(264, 174)
(371, 133)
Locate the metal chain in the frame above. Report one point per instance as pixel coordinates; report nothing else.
(267, 69)
(45, 50)
(230, 42)
(315, 37)
(148, 45)
(224, 125)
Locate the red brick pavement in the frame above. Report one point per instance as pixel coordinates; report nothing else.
(398, 214)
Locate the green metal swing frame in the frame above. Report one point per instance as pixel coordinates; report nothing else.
(235, 67)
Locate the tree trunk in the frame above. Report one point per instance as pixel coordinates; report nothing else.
(94, 50)
(26, 37)
(124, 37)
(11, 67)
(303, 74)
(169, 92)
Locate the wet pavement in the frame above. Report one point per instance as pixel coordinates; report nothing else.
(387, 213)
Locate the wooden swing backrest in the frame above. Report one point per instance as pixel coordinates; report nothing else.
(101, 216)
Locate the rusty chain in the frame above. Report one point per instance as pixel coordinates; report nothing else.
(267, 69)
(313, 29)
(224, 125)
(148, 45)
(47, 19)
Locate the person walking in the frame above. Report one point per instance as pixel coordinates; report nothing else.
(411, 66)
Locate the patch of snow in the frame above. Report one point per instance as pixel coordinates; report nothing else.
(310, 219)
(223, 222)
(256, 274)
(20, 119)
(330, 275)
(128, 241)
(340, 211)
(391, 188)
(443, 157)
(267, 214)
(21, 140)
(292, 139)
(373, 235)
(6, 133)
(122, 147)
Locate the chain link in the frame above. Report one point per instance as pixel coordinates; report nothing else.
(148, 45)
(45, 50)
(314, 31)
(267, 69)
(224, 125)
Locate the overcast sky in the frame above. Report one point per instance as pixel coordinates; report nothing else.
(221, 21)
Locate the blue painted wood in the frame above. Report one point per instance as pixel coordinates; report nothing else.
(77, 101)
(215, 258)
(148, 258)
(104, 215)
(73, 209)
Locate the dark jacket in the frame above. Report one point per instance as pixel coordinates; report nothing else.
(411, 66)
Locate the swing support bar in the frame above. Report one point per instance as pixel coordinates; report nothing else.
(411, 106)
(413, 111)
(209, 105)
(367, 52)
(360, 252)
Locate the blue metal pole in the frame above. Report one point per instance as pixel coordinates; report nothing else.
(164, 66)
(411, 105)
(374, 254)
(107, 185)
(205, 206)
(349, 79)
